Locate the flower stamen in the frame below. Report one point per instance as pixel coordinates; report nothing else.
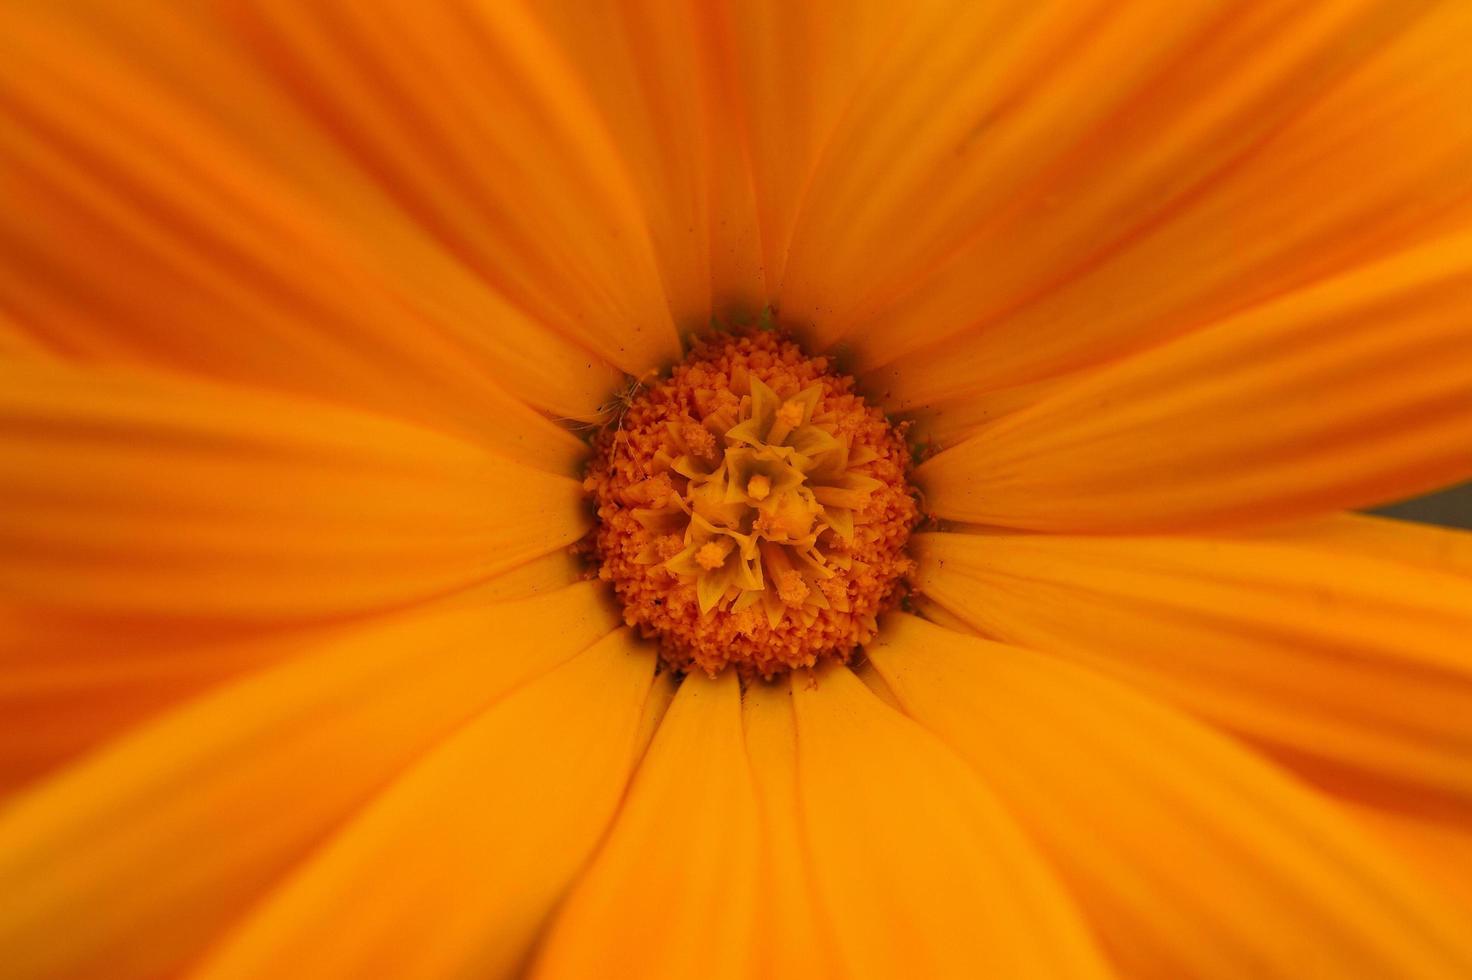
(756, 510)
(711, 555)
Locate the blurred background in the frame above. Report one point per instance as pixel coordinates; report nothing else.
(1451, 508)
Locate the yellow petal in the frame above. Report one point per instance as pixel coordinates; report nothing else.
(795, 938)
(1347, 394)
(130, 493)
(142, 853)
(1191, 856)
(653, 74)
(1170, 164)
(208, 248)
(467, 852)
(918, 870)
(482, 130)
(671, 892)
(1345, 659)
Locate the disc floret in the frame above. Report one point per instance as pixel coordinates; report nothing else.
(753, 509)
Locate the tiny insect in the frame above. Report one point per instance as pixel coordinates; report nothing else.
(612, 412)
(610, 415)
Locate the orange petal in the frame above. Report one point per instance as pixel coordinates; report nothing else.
(653, 73)
(68, 683)
(793, 68)
(470, 849)
(917, 869)
(128, 493)
(15, 342)
(1350, 393)
(962, 107)
(148, 221)
(142, 853)
(1191, 857)
(796, 940)
(1421, 545)
(1345, 659)
(944, 421)
(1171, 164)
(548, 573)
(1440, 850)
(671, 893)
(478, 126)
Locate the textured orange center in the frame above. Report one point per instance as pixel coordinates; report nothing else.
(753, 510)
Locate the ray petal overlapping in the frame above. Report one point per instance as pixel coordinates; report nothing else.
(298, 303)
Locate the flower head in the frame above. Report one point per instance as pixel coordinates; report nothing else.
(783, 509)
(974, 399)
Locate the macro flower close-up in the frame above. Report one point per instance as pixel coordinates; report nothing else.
(734, 488)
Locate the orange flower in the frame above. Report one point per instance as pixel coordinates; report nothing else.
(299, 677)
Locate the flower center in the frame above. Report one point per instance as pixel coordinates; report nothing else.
(752, 509)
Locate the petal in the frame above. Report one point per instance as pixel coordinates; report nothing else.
(480, 128)
(653, 73)
(129, 493)
(148, 221)
(1167, 165)
(917, 869)
(1439, 850)
(962, 106)
(796, 939)
(793, 68)
(671, 892)
(142, 853)
(1348, 394)
(1421, 545)
(1346, 660)
(548, 573)
(69, 683)
(15, 342)
(1192, 857)
(471, 848)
